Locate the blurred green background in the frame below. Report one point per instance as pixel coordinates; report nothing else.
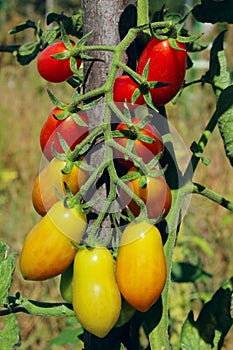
(206, 232)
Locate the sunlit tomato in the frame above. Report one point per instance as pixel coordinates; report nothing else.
(47, 250)
(167, 65)
(146, 151)
(123, 89)
(53, 69)
(96, 297)
(43, 193)
(66, 284)
(69, 130)
(156, 195)
(141, 265)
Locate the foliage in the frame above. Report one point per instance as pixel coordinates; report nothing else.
(214, 320)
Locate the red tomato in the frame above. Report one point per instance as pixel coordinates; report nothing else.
(123, 90)
(70, 131)
(156, 195)
(167, 65)
(146, 151)
(52, 69)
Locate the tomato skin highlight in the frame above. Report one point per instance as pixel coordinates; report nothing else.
(52, 69)
(156, 195)
(141, 265)
(167, 65)
(47, 251)
(43, 192)
(123, 89)
(96, 297)
(69, 130)
(146, 151)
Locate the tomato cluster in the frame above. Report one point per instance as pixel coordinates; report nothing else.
(106, 286)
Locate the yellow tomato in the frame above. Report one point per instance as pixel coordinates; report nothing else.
(96, 297)
(47, 250)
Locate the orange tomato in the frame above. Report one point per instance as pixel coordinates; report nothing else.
(141, 265)
(156, 195)
(43, 193)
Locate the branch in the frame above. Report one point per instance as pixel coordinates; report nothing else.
(215, 197)
(33, 307)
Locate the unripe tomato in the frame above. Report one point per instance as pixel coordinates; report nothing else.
(47, 250)
(167, 65)
(69, 130)
(123, 89)
(96, 297)
(43, 193)
(66, 284)
(53, 69)
(156, 195)
(141, 265)
(146, 151)
(127, 313)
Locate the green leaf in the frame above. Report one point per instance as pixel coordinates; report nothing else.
(22, 26)
(218, 73)
(225, 120)
(212, 324)
(213, 11)
(186, 272)
(9, 335)
(66, 337)
(130, 176)
(55, 100)
(7, 267)
(27, 52)
(48, 37)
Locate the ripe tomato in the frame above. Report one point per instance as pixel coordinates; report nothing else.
(123, 89)
(141, 265)
(167, 65)
(70, 131)
(43, 193)
(47, 250)
(52, 69)
(146, 151)
(96, 297)
(156, 195)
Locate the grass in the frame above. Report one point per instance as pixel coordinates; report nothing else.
(24, 107)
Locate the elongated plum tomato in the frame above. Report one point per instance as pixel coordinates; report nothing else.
(156, 195)
(53, 69)
(96, 297)
(43, 193)
(167, 65)
(69, 130)
(141, 265)
(47, 250)
(146, 151)
(123, 89)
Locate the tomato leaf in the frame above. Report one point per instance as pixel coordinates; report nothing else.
(9, 335)
(7, 267)
(22, 26)
(55, 101)
(67, 337)
(213, 11)
(78, 120)
(130, 176)
(186, 272)
(225, 120)
(212, 324)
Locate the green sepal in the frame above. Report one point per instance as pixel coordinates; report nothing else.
(55, 100)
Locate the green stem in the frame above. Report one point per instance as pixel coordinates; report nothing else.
(38, 308)
(215, 197)
(143, 12)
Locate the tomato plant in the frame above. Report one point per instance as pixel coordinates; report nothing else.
(67, 128)
(51, 177)
(66, 284)
(53, 69)
(47, 250)
(167, 65)
(155, 193)
(96, 298)
(123, 89)
(145, 150)
(141, 265)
